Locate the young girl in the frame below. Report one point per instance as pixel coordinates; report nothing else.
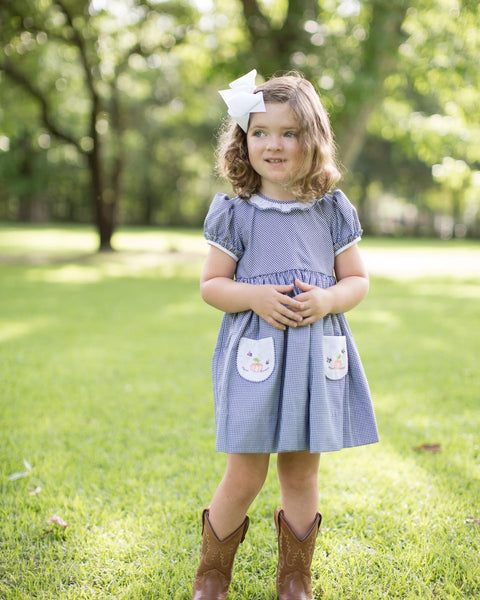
(283, 266)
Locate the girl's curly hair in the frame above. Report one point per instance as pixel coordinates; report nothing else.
(319, 171)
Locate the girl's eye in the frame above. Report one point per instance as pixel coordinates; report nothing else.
(290, 134)
(258, 133)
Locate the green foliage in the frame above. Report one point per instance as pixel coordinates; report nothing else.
(430, 112)
(107, 83)
(106, 396)
(135, 84)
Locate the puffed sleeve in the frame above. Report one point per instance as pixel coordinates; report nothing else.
(345, 226)
(220, 228)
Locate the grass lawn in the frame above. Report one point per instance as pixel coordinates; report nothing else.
(106, 421)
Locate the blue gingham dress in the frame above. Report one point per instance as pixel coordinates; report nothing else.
(299, 389)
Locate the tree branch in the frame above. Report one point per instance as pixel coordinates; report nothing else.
(80, 43)
(257, 22)
(19, 78)
(308, 9)
(379, 57)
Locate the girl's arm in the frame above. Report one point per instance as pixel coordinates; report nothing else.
(219, 289)
(351, 288)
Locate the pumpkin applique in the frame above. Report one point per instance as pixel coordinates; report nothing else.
(257, 366)
(255, 358)
(336, 358)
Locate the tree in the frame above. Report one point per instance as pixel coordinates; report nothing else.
(78, 50)
(127, 92)
(310, 37)
(431, 114)
(386, 70)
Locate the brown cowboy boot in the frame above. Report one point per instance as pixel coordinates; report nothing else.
(214, 572)
(294, 579)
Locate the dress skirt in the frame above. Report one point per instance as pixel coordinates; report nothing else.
(282, 391)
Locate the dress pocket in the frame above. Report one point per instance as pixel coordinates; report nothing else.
(255, 358)
(336, 356)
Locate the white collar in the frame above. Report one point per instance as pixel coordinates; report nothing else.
(285, 206)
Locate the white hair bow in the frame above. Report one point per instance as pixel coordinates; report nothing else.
(241, 100)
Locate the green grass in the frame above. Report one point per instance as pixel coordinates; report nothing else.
(106, 394)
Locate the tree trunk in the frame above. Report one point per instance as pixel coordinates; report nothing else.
(274, 48)
(104, 206)
(380, 54)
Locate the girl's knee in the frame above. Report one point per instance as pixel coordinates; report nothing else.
(246, 477)
(248, 482)
(294, 472)
(299, 482)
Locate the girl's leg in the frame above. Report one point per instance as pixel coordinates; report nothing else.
(244, 477)
(298, 476)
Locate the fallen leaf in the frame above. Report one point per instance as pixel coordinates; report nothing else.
(15, 476)
(472, 520)
(56, 520)
(432, 448)
(21, 474)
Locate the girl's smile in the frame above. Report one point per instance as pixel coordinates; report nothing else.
(274, 149)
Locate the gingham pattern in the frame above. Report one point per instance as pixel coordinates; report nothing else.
(296, 407)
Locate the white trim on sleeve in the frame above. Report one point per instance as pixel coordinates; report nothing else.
(355, 241)
(235, 258)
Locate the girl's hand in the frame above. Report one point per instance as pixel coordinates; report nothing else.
(271, 303)
(316, 302)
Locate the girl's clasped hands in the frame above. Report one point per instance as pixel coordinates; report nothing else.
(281, 311)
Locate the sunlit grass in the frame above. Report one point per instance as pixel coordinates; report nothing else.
(51, 241)
(56, 240)
(106, 394)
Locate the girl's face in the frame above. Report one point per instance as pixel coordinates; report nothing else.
(274, 149)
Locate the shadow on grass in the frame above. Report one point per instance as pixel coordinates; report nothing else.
(422, 363)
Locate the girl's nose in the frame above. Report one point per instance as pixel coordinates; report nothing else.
(274, 143)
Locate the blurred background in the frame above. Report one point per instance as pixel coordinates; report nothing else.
(109, 108)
